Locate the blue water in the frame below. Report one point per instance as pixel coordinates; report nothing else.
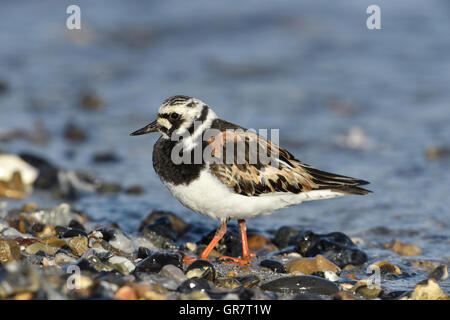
(309, 68)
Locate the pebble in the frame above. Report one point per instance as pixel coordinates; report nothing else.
(195, 284)
(427, 290)
(440, 273)
(122, 264)
(367, 289)
(385, 267)
(273, 265)
(301, 284)
(335, 246)
(161, 234)
(178, 224)
(173, 272)
(285, 236)
(310, 265)
(157, 260)
(10, 163)
(9, 251)
(126, 293)
(406, 249)
(256, 242)
(39, 247)
(227, 282)
(201, 269)
(78, 245)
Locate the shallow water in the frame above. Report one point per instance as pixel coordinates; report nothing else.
(312, 69)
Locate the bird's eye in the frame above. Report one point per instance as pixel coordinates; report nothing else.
(174, 116)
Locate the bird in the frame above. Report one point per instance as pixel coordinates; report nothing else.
(189, 159)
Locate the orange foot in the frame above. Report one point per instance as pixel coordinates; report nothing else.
(240, 262)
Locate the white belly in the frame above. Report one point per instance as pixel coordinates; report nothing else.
(209, 196)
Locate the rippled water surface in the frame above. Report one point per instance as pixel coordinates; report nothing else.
(310, 68)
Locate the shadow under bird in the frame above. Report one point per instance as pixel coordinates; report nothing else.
(238, 187)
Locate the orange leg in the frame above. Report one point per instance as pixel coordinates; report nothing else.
(246, 255)
(204, 255)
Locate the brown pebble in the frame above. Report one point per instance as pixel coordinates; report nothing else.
(9, 251)
(386, 267)
(125, 293)
(256, 242)
(428, 290)
(78, 245)
(310, 265)
(406, 249)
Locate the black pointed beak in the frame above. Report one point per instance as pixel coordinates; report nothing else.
(152, 127)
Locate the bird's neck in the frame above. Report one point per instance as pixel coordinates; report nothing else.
(192, 137)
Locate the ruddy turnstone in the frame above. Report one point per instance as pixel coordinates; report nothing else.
(200, 159)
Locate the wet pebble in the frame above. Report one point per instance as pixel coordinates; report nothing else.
(257, 242)
(440, 273)
(161, 233)
(178, 224)
(427, 290)
(273, 265)
(201, 269)
(78, 245)
(385, 267)
(194, 284)
(173, 272)
(406, 249)
(335, 246)
(157, 260)
(301, 284)
(285, 236)
(311, 265)
(9, 251)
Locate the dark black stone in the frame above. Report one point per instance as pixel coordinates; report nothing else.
(244, 293)
(108, 233)
(60, 230)
(162, 227)
(157, 260)
(285, 236)
(143, 252)
(196, 284)
(85, 265)
(37, 227)
(48, 173)
(207, 269)
(301, 284)
(335, 246)
(273, 265)
(69, 233)
(76, 225)
(439, 273)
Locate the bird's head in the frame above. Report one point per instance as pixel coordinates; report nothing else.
(179, 115)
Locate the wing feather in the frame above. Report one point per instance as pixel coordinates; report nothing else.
(264, 167)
